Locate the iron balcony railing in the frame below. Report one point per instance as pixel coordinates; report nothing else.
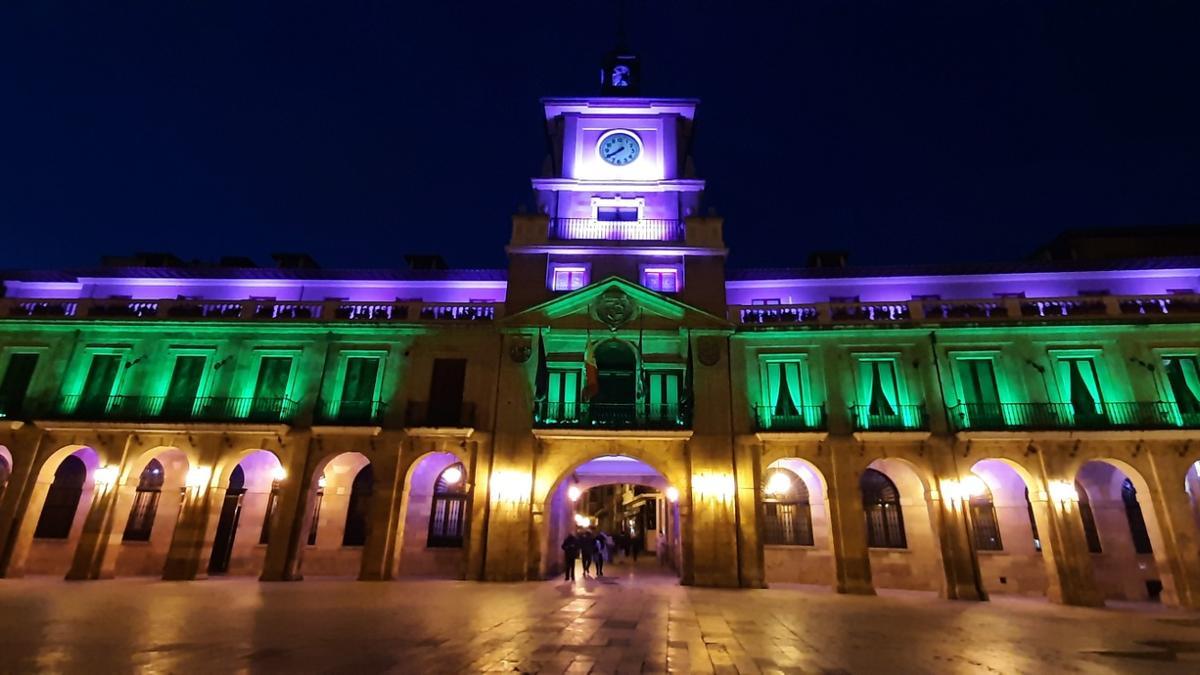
(125, 408)
(805, 418)
(646, 229)
(588, 415)
(893, 418)
(350, 413)
(1070, 416)
(422, 414)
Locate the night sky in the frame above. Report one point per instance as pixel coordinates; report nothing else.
(900, 131)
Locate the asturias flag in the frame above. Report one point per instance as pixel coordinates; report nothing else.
(591, 374)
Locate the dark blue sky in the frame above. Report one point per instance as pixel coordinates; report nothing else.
(901, 131)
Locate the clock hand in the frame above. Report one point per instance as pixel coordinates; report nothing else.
(614, 152)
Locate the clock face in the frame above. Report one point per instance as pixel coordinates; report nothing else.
(619, 148)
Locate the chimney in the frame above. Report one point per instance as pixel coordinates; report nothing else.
(425, 261)
(294, 261)
(828, 259)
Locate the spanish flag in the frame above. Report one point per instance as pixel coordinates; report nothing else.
(591, 374)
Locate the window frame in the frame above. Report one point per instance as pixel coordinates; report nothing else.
(661, 268)
(583, 268)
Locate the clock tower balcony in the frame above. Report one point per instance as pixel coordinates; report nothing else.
(538, 233)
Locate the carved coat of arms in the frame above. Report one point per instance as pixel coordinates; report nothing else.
(519, 348)
(614, 308)
(708, 350)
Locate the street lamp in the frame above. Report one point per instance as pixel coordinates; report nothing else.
(105, 476)
(672, 494)
(574, 493)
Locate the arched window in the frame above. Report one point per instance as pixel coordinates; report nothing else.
(448, 511)
(787, 517)
(984, 523)
(1137, 523)
(1089, 520)
(315, 518)
(355, 533)
(145, 503)
(5, 472)
(58, 514)
(1037, 539)
(881, 502)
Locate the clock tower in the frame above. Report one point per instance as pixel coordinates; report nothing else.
(618, 198)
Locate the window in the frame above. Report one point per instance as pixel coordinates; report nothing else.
(765, 301)
(984, 523)
(787, 516)
(978, 394)
(99, 385)
(62, 500)
(448, 510)
(881, 503)
(359, 386)
(5, 472)
(270, 392)
(314, 521)
(661, 279)
(15, 384)
(878, 393)
(623, 214)
(1089, 520)
(446, 387)
(563, 396)
(180, 400)
(662, 395)
(1137, 523)
(568, 277)
(1183, 378)
(1080, 386)
(784, 391)
(355, 533)
(145, 503)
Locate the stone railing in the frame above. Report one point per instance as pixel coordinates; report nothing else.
(251, 310)
(1082, 308)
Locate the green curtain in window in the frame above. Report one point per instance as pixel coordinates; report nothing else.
(791, 371)
(1191, 376)
(100, 379)
(1062, 369)
(887, 382)
(773, 385)
(273, 374)
(185, 383)
(866, 382)
(1086, 375)
(362, 374)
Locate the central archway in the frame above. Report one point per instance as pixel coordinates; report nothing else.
(629, 504)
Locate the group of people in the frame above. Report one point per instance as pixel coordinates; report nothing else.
(593, 548)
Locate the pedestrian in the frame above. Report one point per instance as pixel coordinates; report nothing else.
(634, 545)
(570, 548)
(599, 548)
(586, 547)
(609, 545)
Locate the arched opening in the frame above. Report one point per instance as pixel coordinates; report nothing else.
(5, 470)
(795, 524)
(616, 368)
(1121, 535)
(1006, 531)
(617, 509)
(336, 525)
(58, 507)
(150, 521)
(903, 548)
(435, 518)
(247, 510)
(1191, 484)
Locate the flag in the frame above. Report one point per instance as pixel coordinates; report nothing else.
(685, 408)
(641, 360)
(591, 374)
(541, 380)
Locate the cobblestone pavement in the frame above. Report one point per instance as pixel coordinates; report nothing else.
(629, 622)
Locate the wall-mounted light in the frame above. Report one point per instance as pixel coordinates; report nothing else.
(672, 493)
(279, 474)
(221, 364)
(452, 475)
(511, 486)
(105, 476)
(321, 482)
(714, 486)
(574, 493)
(952, 491)
(197, 478)
(582, 520)
(778, 484)
(1063, 492)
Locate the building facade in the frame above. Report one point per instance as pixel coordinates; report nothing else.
(1027, 428)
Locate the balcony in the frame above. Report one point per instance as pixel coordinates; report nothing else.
(901, 418)
(1070, 417)
(252, 310)
(123, 408)
(590, 229)
(807, 418)
(628, 416)
(350, 413)
(422, 414)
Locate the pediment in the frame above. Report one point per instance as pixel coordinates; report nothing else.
(614, 304)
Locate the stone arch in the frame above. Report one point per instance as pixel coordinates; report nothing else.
(1020, 567)
(917, 566)
(1120, 572)
(147, 558)
(324, 523)
(796, 563)
(242, 524)
(415, 557)
(6, 469)
(34, 555)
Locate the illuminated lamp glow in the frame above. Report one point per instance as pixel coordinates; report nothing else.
(574, 493)
(778, 484)
(952, 491)
(974, 486)
(511, 486)
(197, 477)
(452, 475)
(279, 474)
(321, 482)
(1063, 492)
(105, 476)
(672, 494)
(582, 520)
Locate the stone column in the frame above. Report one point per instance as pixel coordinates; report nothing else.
(289, 526)
(477, 517)
(24, 446)
(748, 474)
(959, 561)
(196, 526)
(1064, 548)
(96, 552)
(847, 525)
(1177, 550)
(379, 550)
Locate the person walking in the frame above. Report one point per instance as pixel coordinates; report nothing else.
(570, 548)
(599, 548)
(586, 548)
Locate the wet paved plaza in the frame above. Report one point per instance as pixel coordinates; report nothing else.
(626, 623)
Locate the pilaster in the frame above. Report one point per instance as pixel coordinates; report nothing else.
(198, 513)
(96, 552)
(847, 527)
(285, 548)
(379, 551)
(23, 444)
(1178, 554)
